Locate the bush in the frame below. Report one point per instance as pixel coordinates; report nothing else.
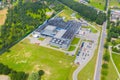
(34, 76)
(41, 72)
(106, 45)
(4, 69)
(105, 66)
(18, 75)
(103, 78)
(115, 49)
(106, 57)
(13, 74)
(104, 72)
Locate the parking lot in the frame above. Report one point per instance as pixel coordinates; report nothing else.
(87, 47)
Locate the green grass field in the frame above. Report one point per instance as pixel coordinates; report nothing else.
(100, 4)
(31, 57)
(116, 59)
(41, 39)
(71, 48)
(75, 41)
(112, 74)
(114, 3)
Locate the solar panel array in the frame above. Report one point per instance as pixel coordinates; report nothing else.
(57, 22)
(72, 29)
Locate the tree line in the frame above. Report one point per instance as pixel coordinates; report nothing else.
(20, 75)
(88, 12)
(14, 75)
(113, 28)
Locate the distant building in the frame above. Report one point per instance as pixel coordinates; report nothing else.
(115, 15)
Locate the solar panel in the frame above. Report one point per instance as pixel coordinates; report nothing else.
(73, 27)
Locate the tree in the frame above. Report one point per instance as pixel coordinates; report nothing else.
(105, 66)
(101, 18)
(41, 72)
(33, 76)
(106, 45)
(106, 57)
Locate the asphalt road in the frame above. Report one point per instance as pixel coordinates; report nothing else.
(101, 48)
(100, 52)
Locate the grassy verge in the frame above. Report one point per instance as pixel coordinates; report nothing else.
(31, 58)
(41, 39)
(75, 41)
(71, 48)
(87, 73)
(114, 3)
(54, 46)
(116, 59)
(71, 72)
(112, 74)
(100, 4)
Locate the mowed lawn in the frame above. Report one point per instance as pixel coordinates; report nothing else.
(3, 16)
(112, 74)
(31, 58)
(100, 4)
(116, 59)
(75, 41)
(114, 3)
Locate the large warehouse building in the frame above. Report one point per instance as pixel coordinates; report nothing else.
(61, 32)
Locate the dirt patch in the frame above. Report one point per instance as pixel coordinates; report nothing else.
(47, 72)
(27, 55)
(4, 77)
(36, 68)
(3, 16)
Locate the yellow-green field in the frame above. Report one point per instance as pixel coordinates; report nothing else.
(114, 3)
(112, 74)
(100, 4)
(31, 57)
(116, 58)
(67, 14)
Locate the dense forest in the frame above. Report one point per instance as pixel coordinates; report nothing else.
(88, 12)
(21, 20)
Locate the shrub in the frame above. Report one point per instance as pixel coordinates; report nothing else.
(104, 72)
(105, 66)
